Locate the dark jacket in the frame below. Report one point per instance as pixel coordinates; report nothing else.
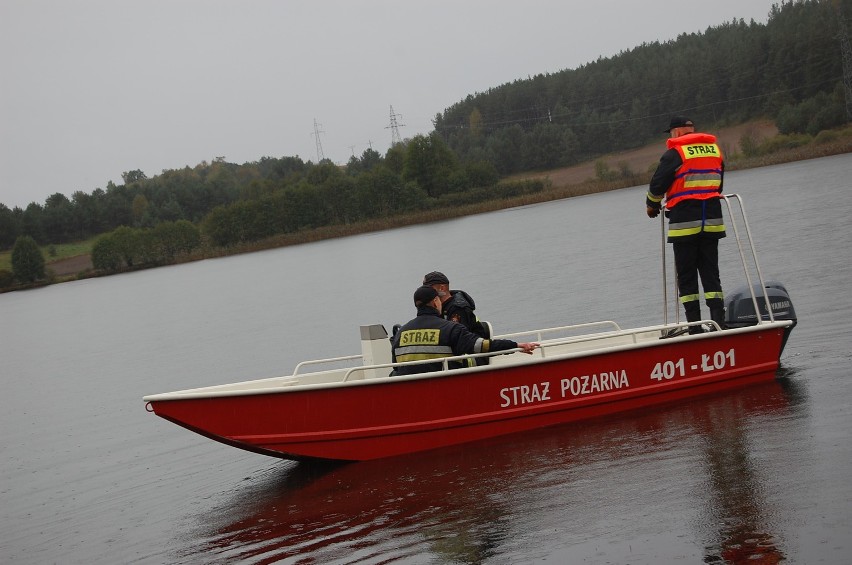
(460, 308)
(429, 336)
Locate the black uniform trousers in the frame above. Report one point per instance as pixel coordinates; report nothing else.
(694, 257)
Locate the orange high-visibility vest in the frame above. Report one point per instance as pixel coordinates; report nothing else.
(700, 175)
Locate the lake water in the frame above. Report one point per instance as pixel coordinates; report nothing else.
(758, 475)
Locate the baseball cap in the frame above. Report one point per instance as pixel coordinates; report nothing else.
(424, 295)
(435, 277)
(679, 122)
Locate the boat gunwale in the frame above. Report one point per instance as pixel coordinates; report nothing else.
(286, 384)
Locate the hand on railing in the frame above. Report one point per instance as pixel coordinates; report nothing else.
(528, 348)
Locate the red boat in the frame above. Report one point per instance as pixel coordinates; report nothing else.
(359, 412)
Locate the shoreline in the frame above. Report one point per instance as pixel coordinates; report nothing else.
(562, 184)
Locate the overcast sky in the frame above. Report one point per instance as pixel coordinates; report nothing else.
(94, 88)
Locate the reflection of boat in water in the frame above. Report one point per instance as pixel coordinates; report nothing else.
(466, 504)
(360, 413)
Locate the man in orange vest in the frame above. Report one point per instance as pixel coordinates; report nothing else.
(690, 177)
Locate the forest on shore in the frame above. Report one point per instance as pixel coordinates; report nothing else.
(486, 151)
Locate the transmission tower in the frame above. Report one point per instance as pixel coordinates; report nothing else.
(846, 50)
(317, 132)
(394, 127)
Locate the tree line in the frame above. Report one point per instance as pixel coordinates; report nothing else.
(789, 69)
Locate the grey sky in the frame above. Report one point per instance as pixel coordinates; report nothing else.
(94, 88)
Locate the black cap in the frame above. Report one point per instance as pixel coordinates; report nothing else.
(435, 277)
(424, 295)
(679, 122)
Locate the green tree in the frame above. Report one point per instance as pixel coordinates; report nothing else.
(429, 163)
(475, 122)
(395, 158)
(138, 209)
(58, 219)
(32, 222)
(10, 226)
(129, 177)
(88, 213)
(27, 260)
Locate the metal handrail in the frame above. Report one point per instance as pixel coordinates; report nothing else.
(539, 333)
(320, 361)
(727, 198)
(444, 361)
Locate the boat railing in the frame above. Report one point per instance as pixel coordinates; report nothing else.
(632, 337)
(444, 361)
(736, 197)
(741, 248)
(324, 361)
(538, 335)
(629, 337)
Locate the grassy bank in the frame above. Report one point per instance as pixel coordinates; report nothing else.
(53, 252)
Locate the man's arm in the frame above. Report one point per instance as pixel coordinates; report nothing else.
(663, 178)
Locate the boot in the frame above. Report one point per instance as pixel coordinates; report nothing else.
(694, 316)
(718, 316)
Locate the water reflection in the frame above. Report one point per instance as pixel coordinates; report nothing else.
(470, 503)
(737, 502)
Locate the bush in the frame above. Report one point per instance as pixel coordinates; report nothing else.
(105, 254)
(603, 172)
(826, 136)
(481, 173)
(128, 243)
(749, 145)
(780, 142)
(811, 116)
(27, 260)
(6, 278)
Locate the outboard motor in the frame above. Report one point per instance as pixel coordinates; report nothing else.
(739, 307)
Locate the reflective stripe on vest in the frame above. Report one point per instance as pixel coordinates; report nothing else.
(680, 229)
(700, 175)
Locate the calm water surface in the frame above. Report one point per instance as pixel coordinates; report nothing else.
(759, 475)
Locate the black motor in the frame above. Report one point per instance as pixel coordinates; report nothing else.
(739, 306)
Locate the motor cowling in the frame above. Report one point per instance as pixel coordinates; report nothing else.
(739, 306)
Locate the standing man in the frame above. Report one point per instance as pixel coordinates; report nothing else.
(428, 336)
(690, 177)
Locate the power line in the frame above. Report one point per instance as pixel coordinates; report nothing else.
(538, 113)
(551, 116)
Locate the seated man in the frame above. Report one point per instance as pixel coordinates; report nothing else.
(428, 336)
(456, 305)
